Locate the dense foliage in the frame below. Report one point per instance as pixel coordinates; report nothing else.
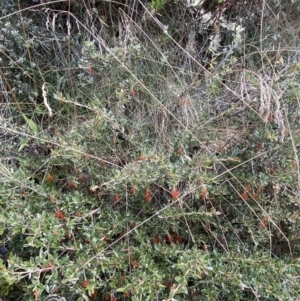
(149, 150)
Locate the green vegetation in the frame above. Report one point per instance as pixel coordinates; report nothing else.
(149, 150)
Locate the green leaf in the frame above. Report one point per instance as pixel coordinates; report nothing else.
(34, 127)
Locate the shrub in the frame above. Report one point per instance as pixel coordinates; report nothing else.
(149, 151)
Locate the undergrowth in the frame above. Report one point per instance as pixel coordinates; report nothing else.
(149, 151)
